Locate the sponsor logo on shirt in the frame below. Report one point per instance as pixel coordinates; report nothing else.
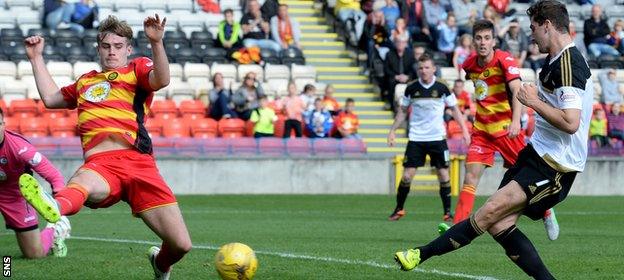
(513, 70)
(568, 97)
(481, 89)
(98, 92)
(36, 159)
(22, 150)
(29, 218)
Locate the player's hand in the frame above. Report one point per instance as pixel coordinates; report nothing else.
(34, 46)
(391, 137)
(527, 94)
(154, 28)
(466, 138)
(514, 129)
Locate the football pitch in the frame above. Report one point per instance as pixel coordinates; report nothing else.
(328, 237)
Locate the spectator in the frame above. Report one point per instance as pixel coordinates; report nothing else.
(615, 122)
(616, 36)
(219, 98)
(490, 14)
(598, 128)
(319, 121)
(350, 14)
(329, 102)
(464, 100)
(347, 123)
(391, 13)
(398, 70)
(375, 37)
(596, 32)
(294, 108)
(263, 118)
(285, 29)
(501, 7)
(462, 51)
(414, 16)
(434, 15)
(514, 41)
(466, 13)
(256, 29)
(610, 89)
(578, 40)
(246, 97)
(86, 14)
(58, 15)
(447, 34)
(270, 8)
(308, 96)
(536, 59)
(229, 32)
(400, 31)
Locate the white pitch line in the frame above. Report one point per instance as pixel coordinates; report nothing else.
(296, 256)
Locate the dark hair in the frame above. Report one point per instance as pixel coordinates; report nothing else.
(426, 57)
(482, 24)
(350, 100)
(551, 10)
(459, 81)
(308, 87)
(228, 10)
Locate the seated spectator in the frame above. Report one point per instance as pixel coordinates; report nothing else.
(610, 89)
(616, 36)
(391, 13)
(270, 8)
(57, 14)
(414, 15)
(219, 98)
(466, 13)
(375, 38)
(229, 32)
(319, 121)
(285, 29)
(596, 32)
(490, 14)
(501, 7)
(294, 108)
(398, 70)
(329, 102)
(514, 41)
(462, 51)
(400, 31)
(256, 29)
(246, 97)
(350, 14)
(615, 122)
(536, 59)
(435, 13)
(464, 101)
(598, 128)
(578, 40)
(346, 123)
(308, 96)
(263, 118)
(418, 52)
(447, 34)
(86, 14)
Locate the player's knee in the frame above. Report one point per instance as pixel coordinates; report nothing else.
(183, 247)
(471, 178)
(489, 214)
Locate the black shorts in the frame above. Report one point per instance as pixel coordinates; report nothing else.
(416, 154)
(544, 186)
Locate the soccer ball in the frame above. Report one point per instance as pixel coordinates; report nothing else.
(236, 261)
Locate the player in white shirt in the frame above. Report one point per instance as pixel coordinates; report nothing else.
(427, 133)
(545, 170)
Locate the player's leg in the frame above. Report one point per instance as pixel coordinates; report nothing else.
(440, 160)
(415, 157)
(35, 244)
(465, 201)
(519, 248)
(167, 222)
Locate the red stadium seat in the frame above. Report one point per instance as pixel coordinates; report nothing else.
(243, 146)
(34, 127)
(326, 146)
(164, 109)
(249, 129)
(192, 109)
(11, 123)
(299, 146)
(177, 127)
(204, 128)
(3, 106)
(50, 113)
(215, 146)
(154, 127)
(453, 130)
(279, 126)
(231, 128)
(271, 146)
(63, 127)
(23, 108)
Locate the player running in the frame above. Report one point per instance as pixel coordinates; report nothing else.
(119, 165)
(18, 156)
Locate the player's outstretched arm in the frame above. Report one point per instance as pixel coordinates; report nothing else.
(48, 90)
(516, 109)
(400, 116)
(154, 30)
(566, 120)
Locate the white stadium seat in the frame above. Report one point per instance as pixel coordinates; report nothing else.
(57, 68)
(24, 69)
(227, 70)
(303, 71)
(8, 69)
(13, 91)
(196, 70)
(243, 69)
(82, 67)
(276, 72)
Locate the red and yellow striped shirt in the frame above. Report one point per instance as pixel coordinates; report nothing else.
(113, 102)
(491, 91)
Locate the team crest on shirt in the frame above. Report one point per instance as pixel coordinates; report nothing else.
(481, 89)
(434, 93)
(112, 76)
(98, 92)
(4, 160)
(486, 73)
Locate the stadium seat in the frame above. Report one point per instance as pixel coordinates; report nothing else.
(203, 37)
(271, 146)
(215, 55)
(186, 55)
(163, 146)
(196, 70)
(125, 6)
(204, 128)
(292, 56)
(243, 69)
(154, 127)
(281, 72)
(14, 90)
(57, 68)
(179, 91)
(215, 146)
(188, 147)
(352, 146)
(298, 146)
(176, 71)
(249, 129)
(63, 127)
(11, 123)
(450, 74)
(11, 32)
(227, 70)
(8, 71)
(243, 146)
(75, 54)
(50, 113)
(164, 109)
(327, 146)
(270, 56)
(192, 109)
(231, 128)
(24, 69)
(34, 127)
(177, 127)
(24, 108)
(303, 72)
(3, 107)
(174, 6)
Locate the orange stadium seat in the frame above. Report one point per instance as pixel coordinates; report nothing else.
(63, 127)
(278, 126)
(204, 128)
(177, 127)
(249, 129)
(50, 113)
(453, 130)
(154, 127)
(11, 123)
(23, 108)
(34, 127)
(164, 109)
(192, 109)
(231, 128)
(3, 106)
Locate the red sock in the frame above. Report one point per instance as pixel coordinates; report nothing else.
(71, 199)
(166, 258)
(465, 203)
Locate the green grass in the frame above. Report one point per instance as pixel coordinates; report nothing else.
(328, 237)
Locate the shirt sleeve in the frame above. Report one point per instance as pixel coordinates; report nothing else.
(40, 164)
(70, 95)
(449, 99)
(142, 67)
(509, 67)
(569, 97)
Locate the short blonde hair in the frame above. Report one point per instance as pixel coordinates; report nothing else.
(113, 25)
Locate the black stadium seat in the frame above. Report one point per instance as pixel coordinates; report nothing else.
(215, 55)
(90, 33)
(270, 56)
(43, 32)
(11, 32)
(76, 53)
(186, 55)
(292, 56)
(201, 39)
